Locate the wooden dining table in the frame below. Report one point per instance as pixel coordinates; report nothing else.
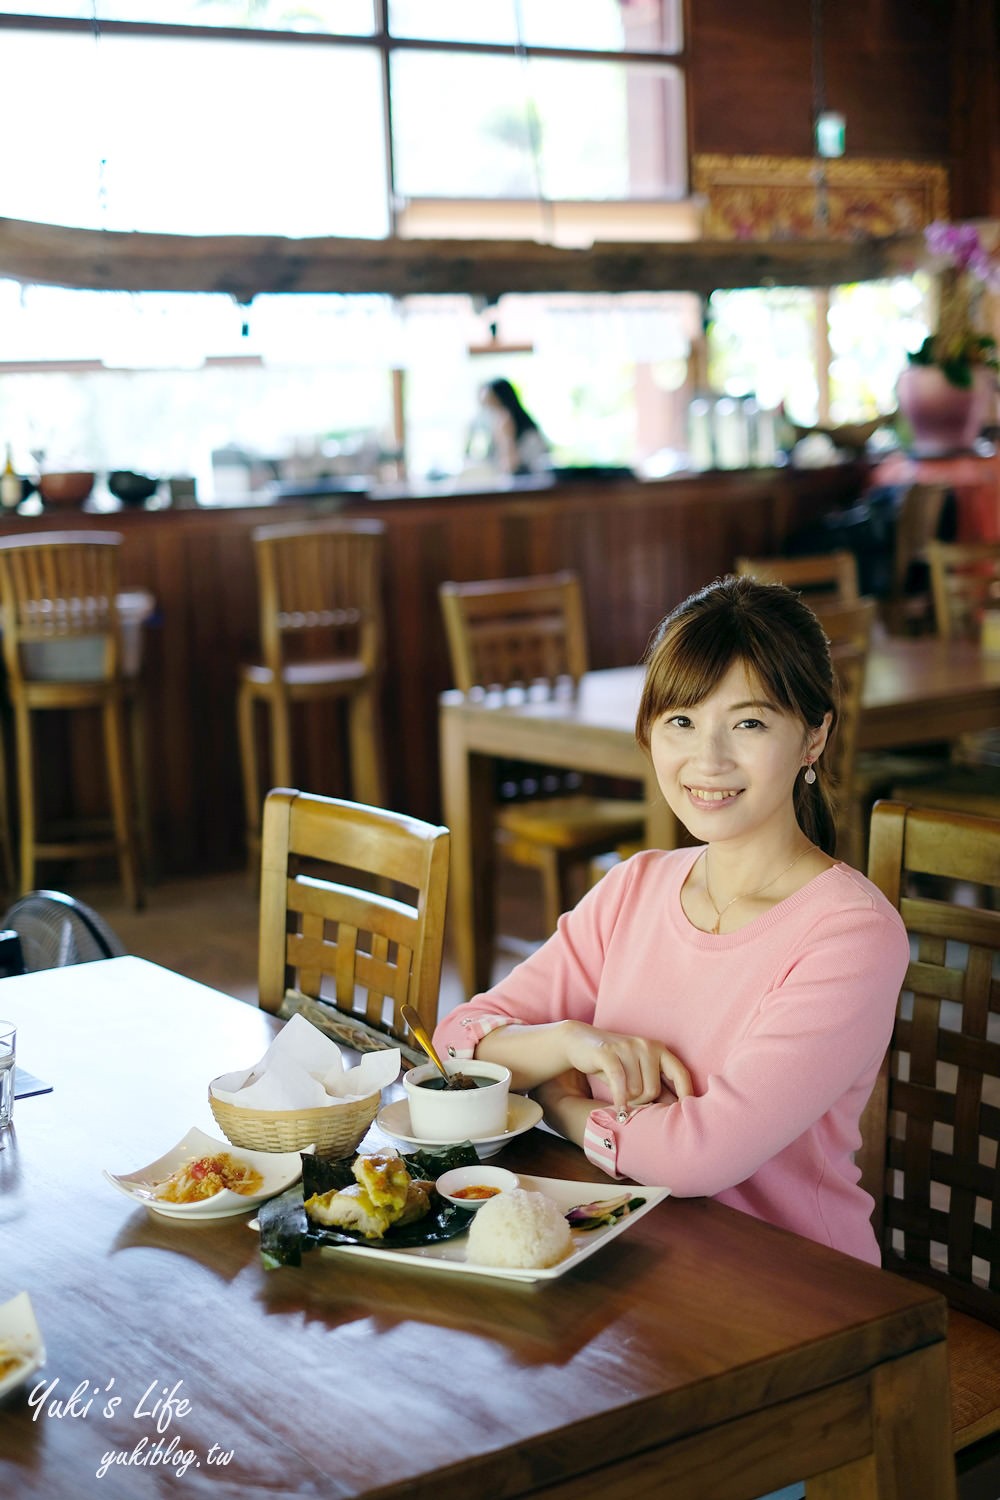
(918, 691)
(701, 1354)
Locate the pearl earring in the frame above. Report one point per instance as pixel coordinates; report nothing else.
(810, 775)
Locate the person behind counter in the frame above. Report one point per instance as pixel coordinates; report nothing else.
(713, 1018)
(517, 444)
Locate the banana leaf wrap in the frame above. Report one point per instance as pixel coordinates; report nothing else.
(286, 1231)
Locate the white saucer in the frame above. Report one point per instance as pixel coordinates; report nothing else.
(522, 1114)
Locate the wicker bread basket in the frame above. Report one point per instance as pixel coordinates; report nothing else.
(335, 1129)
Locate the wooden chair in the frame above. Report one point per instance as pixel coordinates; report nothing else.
(321, 633)
(62, 646)
(334, 944)
(517, 632)
(965, 580)
(821, 578)
(908, 609)
(848, 628)
(931, 1129)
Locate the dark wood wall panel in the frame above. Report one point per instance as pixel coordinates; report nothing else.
(639, 548)
(975, 109)
(886, 67)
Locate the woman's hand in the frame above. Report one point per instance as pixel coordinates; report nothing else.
(567, 1103)
(634, 1069)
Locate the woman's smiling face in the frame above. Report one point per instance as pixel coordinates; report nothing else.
(727, 765)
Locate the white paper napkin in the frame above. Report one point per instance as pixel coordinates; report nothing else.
(303, 1069)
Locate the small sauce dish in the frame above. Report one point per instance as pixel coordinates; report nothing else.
(471, 1187)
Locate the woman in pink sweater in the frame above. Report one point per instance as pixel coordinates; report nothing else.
(713, 1018)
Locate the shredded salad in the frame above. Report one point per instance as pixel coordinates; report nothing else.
(208, 1175)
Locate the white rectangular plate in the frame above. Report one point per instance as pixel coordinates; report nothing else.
(450, 1255)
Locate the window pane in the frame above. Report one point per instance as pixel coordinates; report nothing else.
(185, 137)
(763, 343)
(349, 17)
(604, 25)
(583, 370)
(299, 382)
(538, 129)
(873, 326)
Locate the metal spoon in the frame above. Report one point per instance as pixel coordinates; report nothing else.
(451, 1080)
(412, 1019)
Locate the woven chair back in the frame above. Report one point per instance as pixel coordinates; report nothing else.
(931, 1130)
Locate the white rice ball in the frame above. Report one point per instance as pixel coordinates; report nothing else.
(518, 1229)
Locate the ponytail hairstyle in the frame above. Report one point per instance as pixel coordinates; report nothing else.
(780, 643)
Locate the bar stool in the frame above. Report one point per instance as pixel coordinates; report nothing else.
(63, 649)
(321, 631)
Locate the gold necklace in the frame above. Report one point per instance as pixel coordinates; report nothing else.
(747, 895)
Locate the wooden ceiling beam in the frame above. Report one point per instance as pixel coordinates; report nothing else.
(243, 266)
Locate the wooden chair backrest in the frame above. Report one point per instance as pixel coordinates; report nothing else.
(508, 631)
(965, 580)
(60, 586)
(848, 628)
(825, 576)
(328, 928)
(320, 590)
(931, 1129)
(917, 519)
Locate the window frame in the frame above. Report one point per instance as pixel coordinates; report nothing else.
(384, 42)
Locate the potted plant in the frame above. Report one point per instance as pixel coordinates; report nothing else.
(945, 393)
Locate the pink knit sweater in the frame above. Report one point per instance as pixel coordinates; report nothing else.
(782, 1025)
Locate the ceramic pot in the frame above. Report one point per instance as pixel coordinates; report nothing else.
(944, 418)
(69, 488)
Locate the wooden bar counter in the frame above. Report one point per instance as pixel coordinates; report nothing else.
(638, 546)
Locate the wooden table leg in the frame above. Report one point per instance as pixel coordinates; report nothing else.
(912, 1457)
(467, 800)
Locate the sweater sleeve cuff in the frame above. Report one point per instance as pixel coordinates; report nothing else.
(600, 1142)
(475, 1028)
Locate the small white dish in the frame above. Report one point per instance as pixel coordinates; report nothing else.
(522, 1114)
(20, 1339)
(279, 1170)
(471, 1187)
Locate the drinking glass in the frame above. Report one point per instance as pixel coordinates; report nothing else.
(8, 1039)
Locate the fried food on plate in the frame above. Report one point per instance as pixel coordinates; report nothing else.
(384, 1178)
(384, 1194)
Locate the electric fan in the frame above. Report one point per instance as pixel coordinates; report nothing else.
(56, 929)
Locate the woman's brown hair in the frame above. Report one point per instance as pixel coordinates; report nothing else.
(781, 644)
